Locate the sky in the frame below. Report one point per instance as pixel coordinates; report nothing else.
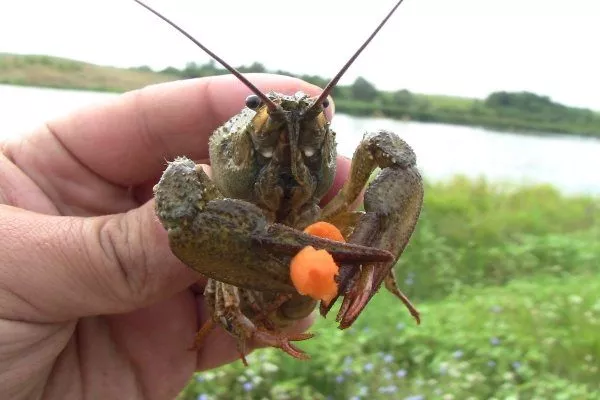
(456, 47)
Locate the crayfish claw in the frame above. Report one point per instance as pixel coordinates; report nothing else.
(281, 239)
(356, 298)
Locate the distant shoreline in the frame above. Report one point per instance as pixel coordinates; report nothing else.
(519, 112)
(75, 89)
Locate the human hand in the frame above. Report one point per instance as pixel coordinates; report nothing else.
(92, 301)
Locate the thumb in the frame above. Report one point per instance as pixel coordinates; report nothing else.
(56, 268)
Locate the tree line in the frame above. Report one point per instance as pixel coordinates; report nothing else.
(504, 110)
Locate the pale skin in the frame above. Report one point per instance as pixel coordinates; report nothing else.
(92, 302)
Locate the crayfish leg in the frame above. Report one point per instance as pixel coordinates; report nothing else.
(202, 333)
(224, 301)
(392, 286)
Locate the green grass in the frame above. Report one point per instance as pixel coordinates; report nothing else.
(449, 102)
(529, 339)
(56, 72)
(507, 282)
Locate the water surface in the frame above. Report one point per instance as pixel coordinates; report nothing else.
(568, 162)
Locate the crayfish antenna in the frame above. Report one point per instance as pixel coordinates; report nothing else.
(342, 71)
(270, 104)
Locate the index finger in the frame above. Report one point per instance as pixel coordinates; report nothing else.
(127, 140)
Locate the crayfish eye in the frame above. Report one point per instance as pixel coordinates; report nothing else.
(252, 101)
(325, 103)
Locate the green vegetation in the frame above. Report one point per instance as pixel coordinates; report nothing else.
(507, 280)
(515, 111)
(62, 73)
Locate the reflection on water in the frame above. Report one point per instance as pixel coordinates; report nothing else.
(570, 163)
(23, 108)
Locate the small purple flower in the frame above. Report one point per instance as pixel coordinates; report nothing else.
(388, 389)
(491, 363)
(410, 278)
(339, 379)
(202, 397)
(248, 386)
(388, 358)
(495, 341)
(401, 373)
(458, 354)
(516, 365)
(369, 367)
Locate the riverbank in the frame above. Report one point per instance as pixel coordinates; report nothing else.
(517, 112)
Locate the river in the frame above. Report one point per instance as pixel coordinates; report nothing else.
(570, 163)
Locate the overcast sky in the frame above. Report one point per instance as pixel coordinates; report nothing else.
(455, 47)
